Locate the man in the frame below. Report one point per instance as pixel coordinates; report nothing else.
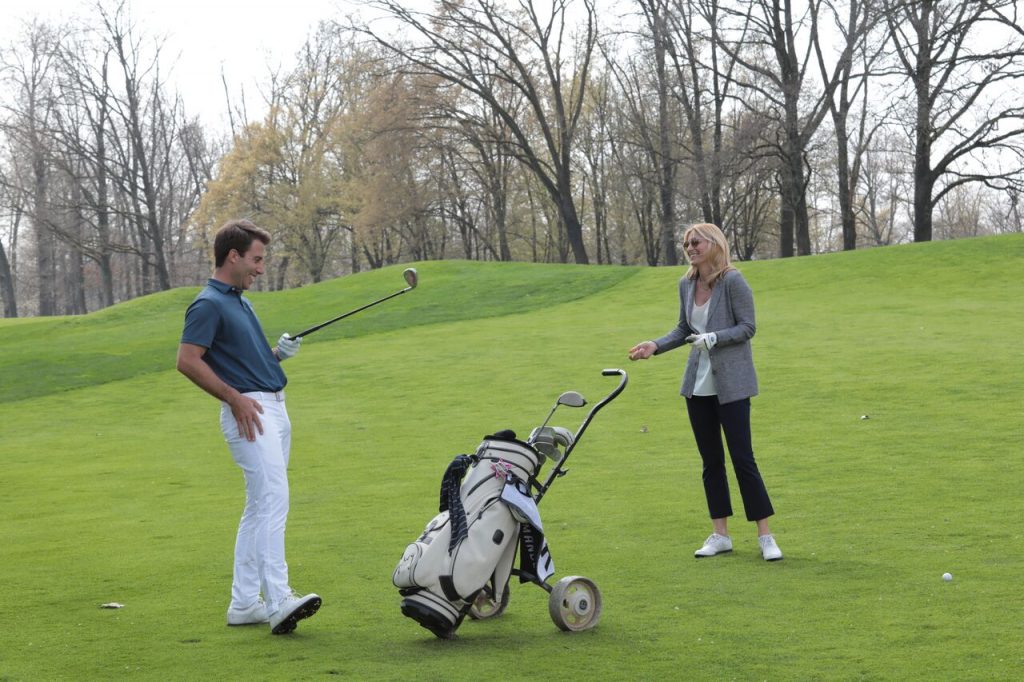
(224, 351)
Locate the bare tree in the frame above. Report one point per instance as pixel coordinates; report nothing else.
(854, 27)
(8, 291)
(965, 63)
(767, 45)
(884, 179)
(594, 149)
(656, 14)
(703, 76)
(470, 44)
(749, 195)
(141, 110)
(29, 73)
(646, 97)
(474, 183)
(1007, 217)
(82, 130)
(477, 144)
(637, 149)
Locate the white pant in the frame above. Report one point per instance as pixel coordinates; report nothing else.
(259, 547)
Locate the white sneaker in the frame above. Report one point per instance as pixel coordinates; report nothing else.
(769, 550)
(715, 544)
(291, 610)
(257, 613)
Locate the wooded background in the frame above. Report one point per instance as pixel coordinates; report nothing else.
(547, 130)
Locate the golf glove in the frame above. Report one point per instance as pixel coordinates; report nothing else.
(287, 346)
(703, 342)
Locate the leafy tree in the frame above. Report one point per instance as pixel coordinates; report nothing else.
(475, 44)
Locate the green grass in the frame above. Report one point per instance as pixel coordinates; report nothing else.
(118, 487)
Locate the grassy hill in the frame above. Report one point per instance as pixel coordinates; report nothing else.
(888, 430)
(141, 336)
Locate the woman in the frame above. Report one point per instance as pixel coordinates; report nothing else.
(716, 316)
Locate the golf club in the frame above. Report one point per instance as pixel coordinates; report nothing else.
(569, 399)
(411, 278)
(559, 469)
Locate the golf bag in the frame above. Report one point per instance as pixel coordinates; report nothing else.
(485, 503)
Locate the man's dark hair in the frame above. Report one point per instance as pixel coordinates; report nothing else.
(237, 235)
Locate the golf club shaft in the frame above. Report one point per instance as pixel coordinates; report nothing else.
(537, 430)
(309, 331)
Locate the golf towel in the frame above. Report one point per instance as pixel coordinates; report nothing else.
(535, 557)
(451, 500)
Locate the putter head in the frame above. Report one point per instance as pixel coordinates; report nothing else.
(411, 278)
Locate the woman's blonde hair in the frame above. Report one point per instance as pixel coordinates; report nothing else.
(718, 253)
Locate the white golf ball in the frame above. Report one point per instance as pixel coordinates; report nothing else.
(948, 577)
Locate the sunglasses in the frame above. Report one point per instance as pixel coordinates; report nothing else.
(692, 242)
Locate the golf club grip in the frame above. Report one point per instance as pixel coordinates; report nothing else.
(309, 331)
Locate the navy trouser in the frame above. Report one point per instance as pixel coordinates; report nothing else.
(709, 419)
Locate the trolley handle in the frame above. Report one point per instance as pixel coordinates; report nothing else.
(556, 471)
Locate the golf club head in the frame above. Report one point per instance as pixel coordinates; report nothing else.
(411, 278)
(572, 399)
(542, 439)
(569, 399)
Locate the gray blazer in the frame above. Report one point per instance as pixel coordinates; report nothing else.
(731, 317)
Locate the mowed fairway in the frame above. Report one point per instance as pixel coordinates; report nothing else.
(888, 430)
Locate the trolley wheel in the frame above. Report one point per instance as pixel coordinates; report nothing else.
(575, 603)
(485, 606)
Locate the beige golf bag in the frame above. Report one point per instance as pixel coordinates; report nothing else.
(462, 562)
(440, 577)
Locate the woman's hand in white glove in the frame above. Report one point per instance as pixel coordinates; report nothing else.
(704, 342)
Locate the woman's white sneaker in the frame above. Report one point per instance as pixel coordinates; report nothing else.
(715, 544)
(769, 550)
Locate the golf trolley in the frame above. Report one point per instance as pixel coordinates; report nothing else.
(462, 562)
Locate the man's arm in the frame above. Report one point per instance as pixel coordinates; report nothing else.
(192, 365)
(246, 410)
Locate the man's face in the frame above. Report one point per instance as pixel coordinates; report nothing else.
(246, 268)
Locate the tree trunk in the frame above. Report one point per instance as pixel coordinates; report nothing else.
(74, 288)
(845, 191)
(786, 214)
(785, 229)
(796, 182)
(923, 180)
(46, 263)
(7, 285)
(570, 219)
(666, 165)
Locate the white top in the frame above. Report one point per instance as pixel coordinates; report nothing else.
(705, 384)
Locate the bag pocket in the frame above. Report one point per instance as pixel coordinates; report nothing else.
(404, 575)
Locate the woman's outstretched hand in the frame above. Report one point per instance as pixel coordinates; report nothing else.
(642, 350)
